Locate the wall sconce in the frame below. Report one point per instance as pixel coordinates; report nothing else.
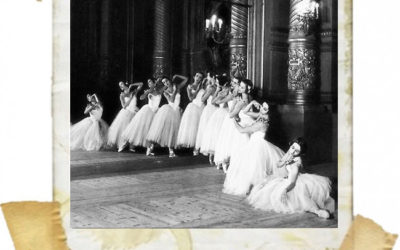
(216, 30)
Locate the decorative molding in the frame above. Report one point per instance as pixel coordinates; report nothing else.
(303, 24)
(159, 67)
(238, 41)
(239, 65)
(301, 72)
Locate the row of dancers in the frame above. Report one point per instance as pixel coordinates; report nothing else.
(221, 121)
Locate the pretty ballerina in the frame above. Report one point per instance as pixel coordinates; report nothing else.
(236, 140)
(90, 133)
(128, 101)
(191, 117)
(165, 125)
(214, 124)
(224, 141)
(136, 132)
(256, 159)
(209, 109)
(297, 192)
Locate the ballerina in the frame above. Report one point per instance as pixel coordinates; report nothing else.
(298, 192)
(208, 110)
(224, 140)
(191, 117)
(136, 132)
(256, 160)
(90, 133)
(128, 101)
(215, 122)
(235, 140)
(165, 125)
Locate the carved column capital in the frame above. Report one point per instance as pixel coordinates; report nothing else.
(302, 52)
(238, 42)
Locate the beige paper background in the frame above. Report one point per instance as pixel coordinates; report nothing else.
(199, 238)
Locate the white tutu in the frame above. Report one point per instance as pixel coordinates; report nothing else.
(189, 125)
(238, 140)
(252, 164)
(212, 131)
(225, 141)
(118, 126)
(136, 132)
(165, 126)
(205, 117)
(310, 191)
(120, 123)
(90, 133)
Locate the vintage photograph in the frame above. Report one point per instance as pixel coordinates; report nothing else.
(204, 114)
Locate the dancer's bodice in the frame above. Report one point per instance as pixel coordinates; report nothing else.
(154, 101)
(96, 113)
(245, 120)
(197, 100)
(230, 104)
(133, 104)
(175, 103)
(258, 134)
(209, 100)
(296, 162)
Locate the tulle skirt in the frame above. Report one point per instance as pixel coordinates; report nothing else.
(225, 141)
(310, 192)
(189, 126)
(136, 132)
(251, 165)
(212, 131)
(118, 126)
(205, 117)
(165, 126)
(89, 134)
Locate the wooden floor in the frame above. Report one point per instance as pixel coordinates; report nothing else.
(181, 197)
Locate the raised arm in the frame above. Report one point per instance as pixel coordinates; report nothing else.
(191, 95)
(183, 82)
(139, 87)
(236, 109)
(145, 94)
(248, 109)
(88, 108)
(209, 91)
(95, 98)
(225, 99)
(258, 126)
(171, 97)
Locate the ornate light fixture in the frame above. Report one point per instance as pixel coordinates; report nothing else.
(216, 30)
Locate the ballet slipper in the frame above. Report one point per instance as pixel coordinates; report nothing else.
(322, 213)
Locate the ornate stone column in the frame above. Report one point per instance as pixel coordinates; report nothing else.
(161, 57)
(238, 43)
(302, 52)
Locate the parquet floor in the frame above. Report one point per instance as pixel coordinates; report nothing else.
(180, 197)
